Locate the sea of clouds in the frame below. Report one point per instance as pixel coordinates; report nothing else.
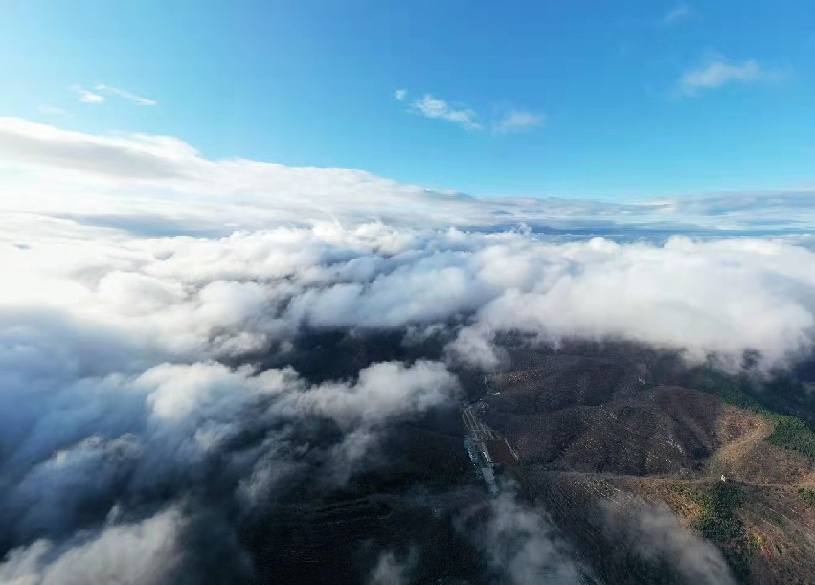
(141, 281)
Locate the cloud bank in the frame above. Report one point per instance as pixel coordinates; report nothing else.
(160, 185)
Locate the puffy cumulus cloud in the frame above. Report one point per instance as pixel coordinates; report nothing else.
(77, 444)
(383, 394)
(119, 384)
(135, 300)
(117, 305)
(116, 436)
(200, 297)
(596, 288)
(715, 296)
(383, 391)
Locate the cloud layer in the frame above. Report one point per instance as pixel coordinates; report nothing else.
(161, 185)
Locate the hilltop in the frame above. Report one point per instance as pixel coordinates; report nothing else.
(611, 438)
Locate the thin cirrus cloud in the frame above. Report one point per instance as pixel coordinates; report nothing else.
(510, 122)
(717, 72)
(677, 14)
(88, 97)
(126, 95)
(100, 92)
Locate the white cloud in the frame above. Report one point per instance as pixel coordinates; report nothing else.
(126, 95)
(124, 181)
(136, 304)
(512, 121)
(88, 97)
(624, 295)
(438, 109)
(516, 121)
(400, 94)
(677, 14)
(717, 72)
(383, 391)
(101, 91)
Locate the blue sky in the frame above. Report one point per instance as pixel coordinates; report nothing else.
(595, 99)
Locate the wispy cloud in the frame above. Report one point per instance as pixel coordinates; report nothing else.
(516, 121)
(88, 97)
(434, 108)
(126, 95)
(678, 14)
(717, 72)
(508, 122)
(100, 92)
